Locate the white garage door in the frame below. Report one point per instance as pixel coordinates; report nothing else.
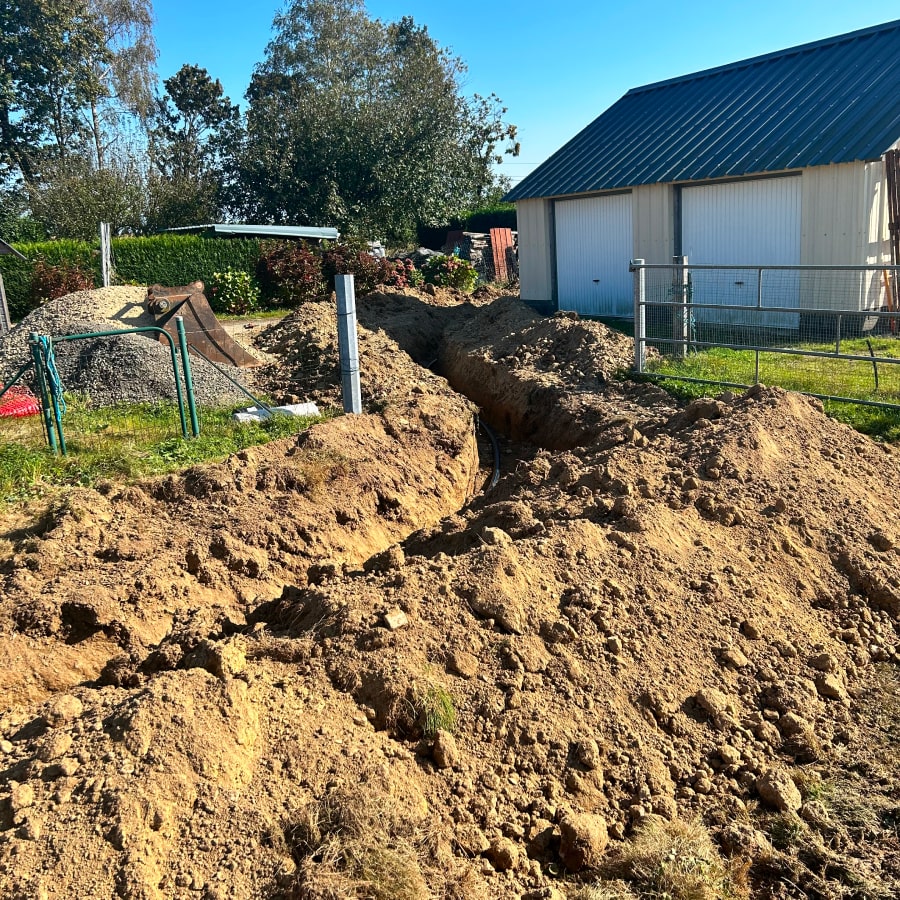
(593, 249)
(744, 223)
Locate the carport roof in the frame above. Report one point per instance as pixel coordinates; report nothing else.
(832, 101)
(285, 231)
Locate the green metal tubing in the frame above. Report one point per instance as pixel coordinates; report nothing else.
(172, 351)
(54, 400)
(188, 379)
(46, 411)
(16, 377)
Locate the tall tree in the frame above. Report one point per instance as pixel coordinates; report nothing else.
(44, 82)
(189, 128)
(122, 79)
(363, 124)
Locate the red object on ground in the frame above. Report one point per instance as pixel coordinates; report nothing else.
(18, 402)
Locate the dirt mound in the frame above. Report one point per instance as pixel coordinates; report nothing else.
(216, 539)
(675, 622)
(548, 381)
(306, 343)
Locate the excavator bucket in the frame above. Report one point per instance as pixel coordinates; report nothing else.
(203, 328)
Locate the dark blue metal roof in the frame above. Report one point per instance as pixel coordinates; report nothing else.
(832, 101)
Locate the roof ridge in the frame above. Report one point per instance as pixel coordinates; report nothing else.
(767, 57)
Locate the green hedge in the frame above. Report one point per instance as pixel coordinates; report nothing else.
(17, 273)
(502, 215)
(174, 259)
(169, 259)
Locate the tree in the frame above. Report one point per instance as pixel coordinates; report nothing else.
(44, 82)
(361, 124)
(74, 196)
(189, 129)
(122, 78)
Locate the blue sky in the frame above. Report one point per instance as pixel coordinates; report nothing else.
(556, 66)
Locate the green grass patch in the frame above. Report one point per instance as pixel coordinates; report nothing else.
(278, 312)
(123, 443)
(825, 376)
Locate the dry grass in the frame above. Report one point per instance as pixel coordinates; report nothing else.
(365, 840)
(605, 890)
(674, 861)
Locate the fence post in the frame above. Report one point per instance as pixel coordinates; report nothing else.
(188, 378)
(348, 344)
(640, 314)
(5, 322)
(46, 409)
(105, 253)
(680, 318)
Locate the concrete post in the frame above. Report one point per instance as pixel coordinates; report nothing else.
(105, 253)
(5, 322)
(348, 343)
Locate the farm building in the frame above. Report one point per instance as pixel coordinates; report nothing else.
(775, 160)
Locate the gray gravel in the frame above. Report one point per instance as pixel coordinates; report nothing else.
(127, 368)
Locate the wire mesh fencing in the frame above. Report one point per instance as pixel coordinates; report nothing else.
(830, 331)
(494, 255)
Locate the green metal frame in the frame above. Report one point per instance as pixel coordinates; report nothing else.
(52, 416)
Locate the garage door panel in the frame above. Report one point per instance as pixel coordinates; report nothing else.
(748, 223)
(593, 249)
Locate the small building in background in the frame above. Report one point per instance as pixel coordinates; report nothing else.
(775, 160)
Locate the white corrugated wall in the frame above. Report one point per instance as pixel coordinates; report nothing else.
(594, 245)
(754, 222)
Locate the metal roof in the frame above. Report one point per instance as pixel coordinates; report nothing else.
(6, 249)
(288, 231)
(832, 101)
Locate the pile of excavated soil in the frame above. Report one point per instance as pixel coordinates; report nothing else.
(306, 342)
(322, 682)
(129, 368)
(553, 381)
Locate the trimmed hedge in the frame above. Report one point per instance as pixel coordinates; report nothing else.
(174, 259)
(503, 215)
(17, 274)
(170, 259)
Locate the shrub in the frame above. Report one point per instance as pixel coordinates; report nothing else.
(233, 291)
(345, 259)
(48, 282)
(450, 271)
(291, 273)
(400, 273)
(498, 215)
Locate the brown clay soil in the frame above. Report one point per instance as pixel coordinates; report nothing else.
(658, 659)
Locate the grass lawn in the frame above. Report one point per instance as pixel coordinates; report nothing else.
(832, 377)
(124, 442)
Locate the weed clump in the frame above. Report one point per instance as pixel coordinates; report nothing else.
(437, 711)
(673, 860)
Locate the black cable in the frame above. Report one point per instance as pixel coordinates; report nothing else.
(493, 439)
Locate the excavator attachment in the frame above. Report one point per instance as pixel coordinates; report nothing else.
(203, 328)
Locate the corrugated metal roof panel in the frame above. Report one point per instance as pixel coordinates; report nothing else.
(832, 101)
(289, 231)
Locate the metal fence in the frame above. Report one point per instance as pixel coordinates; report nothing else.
(828, 331)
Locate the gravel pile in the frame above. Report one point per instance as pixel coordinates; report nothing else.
(130, 368)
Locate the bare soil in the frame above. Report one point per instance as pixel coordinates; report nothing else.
(335, 667)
